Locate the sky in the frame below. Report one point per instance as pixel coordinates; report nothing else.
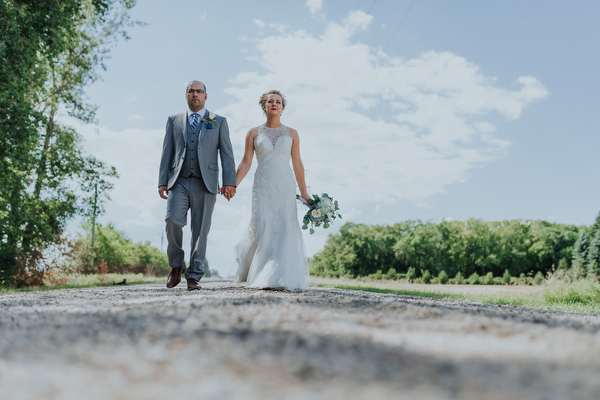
(408, 109)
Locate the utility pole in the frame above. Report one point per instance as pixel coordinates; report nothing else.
(94, 221)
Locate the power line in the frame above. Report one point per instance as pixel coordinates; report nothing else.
(508, 31)
(431, 23)
(485, 11)
(370, 8)
(400, 24)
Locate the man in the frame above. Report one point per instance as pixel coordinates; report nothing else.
(188, 178)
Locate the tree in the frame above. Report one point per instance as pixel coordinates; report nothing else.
(580, 250)
(30, 32)
(443, 277)
(115, 252)
(593, 256)
(50, 51)
(595, 227)
(426, 277)
(506, 277)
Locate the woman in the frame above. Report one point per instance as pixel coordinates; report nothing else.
(272, 254)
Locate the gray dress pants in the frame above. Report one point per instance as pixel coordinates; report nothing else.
(189, 194)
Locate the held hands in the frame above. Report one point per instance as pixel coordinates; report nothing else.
(228, 192)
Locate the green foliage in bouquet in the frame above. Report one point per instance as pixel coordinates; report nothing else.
(321, 212)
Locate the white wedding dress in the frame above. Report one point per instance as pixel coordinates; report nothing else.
(272, 254)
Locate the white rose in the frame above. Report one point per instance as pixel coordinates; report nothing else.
(315, 213)
(211, 115)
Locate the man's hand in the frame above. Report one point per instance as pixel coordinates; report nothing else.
(228, 192)
(162, 191)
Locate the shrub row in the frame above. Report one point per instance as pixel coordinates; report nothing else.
(459, 279)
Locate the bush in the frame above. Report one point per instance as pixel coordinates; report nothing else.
(458, 279)
(499, 280)
(563, 264)
(522, 280)
(538, 278)
(488, 279)
(411, 274)
(426, 277)
(506, 277)
(377, 275)
(473, 279)
(443, 277)
(391, 274)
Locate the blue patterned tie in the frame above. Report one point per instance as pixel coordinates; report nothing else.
(194, 123)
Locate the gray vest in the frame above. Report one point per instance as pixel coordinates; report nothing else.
(190, 163)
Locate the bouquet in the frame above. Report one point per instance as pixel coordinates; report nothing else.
(321, 211)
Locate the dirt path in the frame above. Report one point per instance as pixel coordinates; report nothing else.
(229, 342)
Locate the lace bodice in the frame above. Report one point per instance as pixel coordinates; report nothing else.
(272, 141)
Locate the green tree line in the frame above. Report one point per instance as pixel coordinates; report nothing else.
(469, 247)
(50, 50)
(114, 252)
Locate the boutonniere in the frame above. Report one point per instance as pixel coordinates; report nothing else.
(209, 119)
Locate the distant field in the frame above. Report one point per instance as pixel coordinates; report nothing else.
(403, 285)
(582, 296)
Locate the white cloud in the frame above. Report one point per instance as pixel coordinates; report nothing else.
(278, 27)
(376, 127)
(135, 153)
(135, 117)
(314, 6)
(260, 24)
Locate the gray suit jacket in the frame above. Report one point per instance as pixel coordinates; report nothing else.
(212, 142)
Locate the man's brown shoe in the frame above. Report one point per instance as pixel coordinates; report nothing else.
(193, 284)
(175, 276)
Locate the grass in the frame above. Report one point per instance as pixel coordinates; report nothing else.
(581, 296)
(92, 280)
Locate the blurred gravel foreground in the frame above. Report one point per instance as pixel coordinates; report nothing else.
(230, 342)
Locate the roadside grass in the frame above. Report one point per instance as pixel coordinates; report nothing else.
(92, 280)
(581, 296)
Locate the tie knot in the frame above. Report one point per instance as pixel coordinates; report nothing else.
(195, 120)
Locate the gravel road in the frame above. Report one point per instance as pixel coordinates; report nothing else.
(230, 342)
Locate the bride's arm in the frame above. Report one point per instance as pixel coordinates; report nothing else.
(297, 164)
(246, 162)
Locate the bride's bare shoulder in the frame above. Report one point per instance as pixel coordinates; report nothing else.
(253, 132)
(292, 132)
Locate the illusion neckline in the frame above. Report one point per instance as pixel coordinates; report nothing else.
(266, 127)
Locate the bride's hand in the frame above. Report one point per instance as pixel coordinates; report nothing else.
(304, 199)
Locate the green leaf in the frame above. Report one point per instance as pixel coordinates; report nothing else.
(312, 231)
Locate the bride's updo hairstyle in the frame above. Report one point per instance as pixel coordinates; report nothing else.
(263, 99)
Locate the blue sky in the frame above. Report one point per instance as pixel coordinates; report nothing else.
(406, 109)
